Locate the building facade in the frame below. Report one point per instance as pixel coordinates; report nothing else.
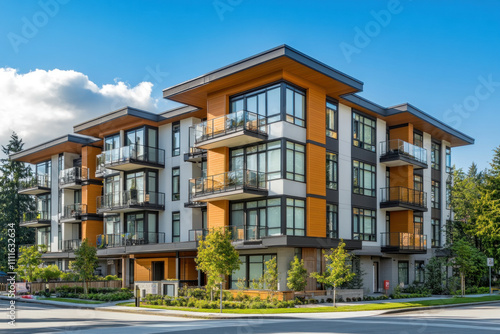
(278, 148)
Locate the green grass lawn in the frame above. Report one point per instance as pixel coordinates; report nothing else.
(76, 301)
(386, 305)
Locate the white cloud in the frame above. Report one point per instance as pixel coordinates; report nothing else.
(42, 105)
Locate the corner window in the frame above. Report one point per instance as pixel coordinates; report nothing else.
(176, 191)
(403, 272)
(364, 178)
(435, 188)
(295, 217)
(295, 106)
(176, 227)
(436, 233)
(295, 161)
(363, 132)
(264, 102)
(176, 139)
(331, 171)
(332, 225)
(364, 224)
(448, 160)
(435, 161)
(112, 142)
(331, 119)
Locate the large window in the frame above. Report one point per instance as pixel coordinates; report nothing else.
(112, 142)
(364, 224)
(265, 102)
(264, 158)
(295, 217)
(251, 270)
(43, 236)
(331, 119)
(295, 106)
(403, 272)
(176, 139)
(435, 194)
(363, 132)
(295, 161)
(176, 191)
(256, 219)
(331, 171)
(448, 160)
(332, 224)
(176, 227)
(364, 178)
(112, 224)
(435, 157)
(436, 233)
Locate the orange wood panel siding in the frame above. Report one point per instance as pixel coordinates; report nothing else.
(170, 268)
(89, 159)
(142, 270)
(316, 115)
(216, 106)
(188, 269)
(310, 257)
(217, 161)
(217, 214)
(401, 221)
(401, 176)
(316, 217)
(316, 169)
(90, 230)
(89, 196)
(404, 133)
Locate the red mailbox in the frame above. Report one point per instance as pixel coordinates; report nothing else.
(386, 285)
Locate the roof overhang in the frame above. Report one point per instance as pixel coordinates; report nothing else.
(283, 58)
(70, 143)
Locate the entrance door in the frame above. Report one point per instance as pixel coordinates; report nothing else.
(158, 270)
(375, 277)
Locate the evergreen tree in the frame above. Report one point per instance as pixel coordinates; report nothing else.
(13, 205)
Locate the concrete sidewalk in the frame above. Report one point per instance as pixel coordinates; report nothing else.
(112, 307)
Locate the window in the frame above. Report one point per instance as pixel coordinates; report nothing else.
(418, 139)
(363, 132)
(43, 173)
(251, 270)
(176, 139)
(332, 225)
(435, 194)
(295, 106)
(403, 272)
(418, 183)
(448, 160)
(176, 192)
(43, 236)
(265, 102)
(364, 178)
(112, 224)
(264, 158)
(436, 233)
(418, 223)
(364, 224)
(295, 217)
(331, 119)
(111, 142)
(435, 150)
(295, 161)
(256, 219)
(388, 222)
(331, 171)
(419, 271)
(176, 227)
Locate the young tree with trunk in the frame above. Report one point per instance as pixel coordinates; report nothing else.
(297, 275)
(85, 263)
(28, 262)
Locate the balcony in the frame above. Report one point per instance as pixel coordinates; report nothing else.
(233, 185)
(129, 158)
(197, 235)
(397, 152)
(235, 129)
(403, 243)
(73, 213)
(401, 198)
(129, 239)
(131, 200)
(71, 245)
(72, 178)
(238, 233)
(36, 185)
(35, 219)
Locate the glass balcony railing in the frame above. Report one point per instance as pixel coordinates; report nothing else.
(130, 154)
(396, 196)
(71, 245)
(198, 234)
(229, 181)
(33, 216)
(398, 147)
(129, 239)
(230, 123)
(35, 181)
(238, 233)
(73, 175)
(73, 211)
(402, 241)
(131, 198)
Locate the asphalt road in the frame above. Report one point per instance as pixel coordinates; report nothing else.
(36, 318)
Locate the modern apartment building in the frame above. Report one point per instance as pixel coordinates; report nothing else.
(278, 148)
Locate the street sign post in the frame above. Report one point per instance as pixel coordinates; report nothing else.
(490, 262)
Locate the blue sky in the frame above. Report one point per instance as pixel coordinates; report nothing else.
(439, 56)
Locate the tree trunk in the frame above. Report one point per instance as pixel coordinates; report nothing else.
(334, 296)
(462, 283)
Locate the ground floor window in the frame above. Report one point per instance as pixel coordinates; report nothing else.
(403, 272)
(251, 270)
(419, 272)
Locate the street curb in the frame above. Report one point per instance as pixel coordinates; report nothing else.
(410, 309)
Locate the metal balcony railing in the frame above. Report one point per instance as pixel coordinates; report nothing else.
(400, 147)
(395, 196)
(73, 211)
(71, 245)
(228, 181)
(35, 181)
(402, 241)
(230, 123)
(131, 198)
(238, 233)
(129, 239)
(130, 154)
(73, 175)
